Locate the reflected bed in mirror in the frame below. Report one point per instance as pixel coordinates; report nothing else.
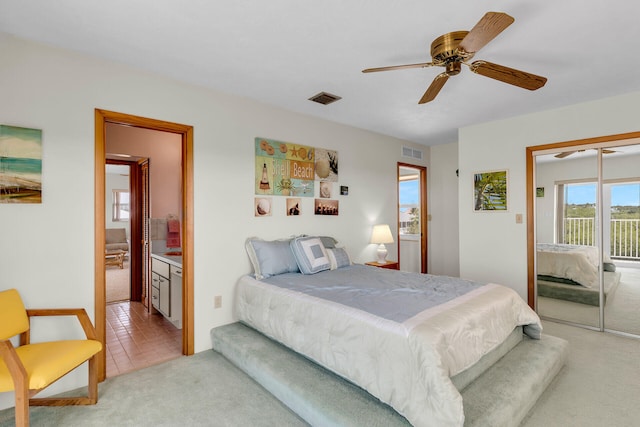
(571, 272)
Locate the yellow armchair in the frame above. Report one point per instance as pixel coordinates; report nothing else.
(29, 368)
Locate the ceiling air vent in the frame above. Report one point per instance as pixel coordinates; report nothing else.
(325, 98)
(411, 152)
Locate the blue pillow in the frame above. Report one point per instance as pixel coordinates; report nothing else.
(328, 242)
(338, 258)
(270, 258)
(310, 254)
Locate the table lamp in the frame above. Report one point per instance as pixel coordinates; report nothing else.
(381, 234)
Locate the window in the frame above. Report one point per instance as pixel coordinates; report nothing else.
(409, 214)
(120, 205)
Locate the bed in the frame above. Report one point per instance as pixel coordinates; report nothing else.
(403, 337)
(571, 272)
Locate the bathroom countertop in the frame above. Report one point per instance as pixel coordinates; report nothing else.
(175, 260)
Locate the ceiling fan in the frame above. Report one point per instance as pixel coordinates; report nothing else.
(453, 49)
(568, 153)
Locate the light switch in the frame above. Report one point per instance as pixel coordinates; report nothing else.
(518, 218)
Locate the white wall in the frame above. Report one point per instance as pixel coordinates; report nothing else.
(443, 208)
(492, 246)
(57, 91)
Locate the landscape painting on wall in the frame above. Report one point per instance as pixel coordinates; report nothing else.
(20, 165)
(490, 191)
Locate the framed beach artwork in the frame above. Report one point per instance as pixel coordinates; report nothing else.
(326, 207)
(293, 206)
(262, 206)
(326, 188)
(490, 191)
(20, 165)
(283, 168)
(326, 165)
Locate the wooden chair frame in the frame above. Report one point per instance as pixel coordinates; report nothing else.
(23, 395)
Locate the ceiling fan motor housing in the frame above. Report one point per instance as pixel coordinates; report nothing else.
(444, 51)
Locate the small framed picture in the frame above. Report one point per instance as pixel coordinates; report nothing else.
(326, 207)
(540, 192)
(262, 206)
(293, 206)
(344, 190)
(326, 189)
(490, 191)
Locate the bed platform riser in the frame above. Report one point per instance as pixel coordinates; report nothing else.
(501, 396)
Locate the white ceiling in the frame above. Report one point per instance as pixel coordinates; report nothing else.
(281, 52)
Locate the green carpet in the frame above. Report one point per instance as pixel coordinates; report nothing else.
(200, 390)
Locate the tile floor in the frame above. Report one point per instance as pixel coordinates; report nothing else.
(137, 339)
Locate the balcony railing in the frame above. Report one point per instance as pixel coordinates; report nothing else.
(625, 235)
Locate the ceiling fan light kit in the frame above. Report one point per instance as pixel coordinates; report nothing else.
(454, 49)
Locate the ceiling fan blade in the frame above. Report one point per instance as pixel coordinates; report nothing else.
(563, 155)
(491, 24)
(434, 88)
(398, 67)
(508, 75)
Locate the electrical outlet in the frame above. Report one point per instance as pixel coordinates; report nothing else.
(217, 301)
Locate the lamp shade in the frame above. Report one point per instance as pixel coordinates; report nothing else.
(381, 234)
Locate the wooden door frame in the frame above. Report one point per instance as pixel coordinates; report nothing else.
(423, 213)
(531, 152)
(102, 117)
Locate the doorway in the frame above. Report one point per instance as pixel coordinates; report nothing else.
(412, 218)
(102, 118)
(583, 208)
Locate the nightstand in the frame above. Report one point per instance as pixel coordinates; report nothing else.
(392, 265)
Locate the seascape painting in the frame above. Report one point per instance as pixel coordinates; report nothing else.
(20, 165)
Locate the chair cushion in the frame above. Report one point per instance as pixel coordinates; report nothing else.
(48, 361)
(117, 247)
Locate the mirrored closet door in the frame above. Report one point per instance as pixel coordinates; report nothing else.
(568, 283)
(621, 233)
(587, 235)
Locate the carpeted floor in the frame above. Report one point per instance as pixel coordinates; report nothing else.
(200, 390)
(622, 309)
(118, 282)
(598, 387)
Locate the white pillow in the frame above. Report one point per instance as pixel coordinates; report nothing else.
(310, 254)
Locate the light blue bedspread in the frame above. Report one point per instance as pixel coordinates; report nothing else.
(390, 294)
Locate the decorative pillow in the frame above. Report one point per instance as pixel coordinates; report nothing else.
(310, 254)
(338, 258)
(328, 242)
(270, 258)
